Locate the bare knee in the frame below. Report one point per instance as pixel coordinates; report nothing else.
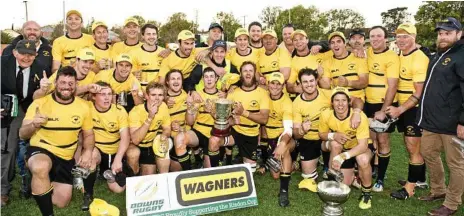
(133, 153)
(363, 161)
(213, 144)
(335, 146)
(40, 166)
(179, 145)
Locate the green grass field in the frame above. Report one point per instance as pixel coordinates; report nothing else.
(302, 202)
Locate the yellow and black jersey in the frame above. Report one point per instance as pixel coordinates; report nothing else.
(65, 48)
(148, 62)
(123, 47)
(413, 68)
(86, 81)
(102, 53)
(382, 66)
(184, 64)
(311, 110)
(308, 61)
(118, 87)
(139, 114)
(280, 110)
(258, 49)
(253, 101)
(178, 111)
(350, 67)
(204, 121)
(330, 123)
(60, 134)
(237, 60)
(107, 126)
(269, 63)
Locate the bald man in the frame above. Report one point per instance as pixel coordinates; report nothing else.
(31, 31)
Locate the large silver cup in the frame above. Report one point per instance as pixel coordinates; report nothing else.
(122, 98)
(222, 112)
(333, 194)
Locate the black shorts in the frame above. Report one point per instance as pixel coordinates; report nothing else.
(407, 123)
(309, 149)
(270, 143)
(147, 156)
(61, 168)
(106, 161)
(247, 145)
(203, 141)
(370, 109)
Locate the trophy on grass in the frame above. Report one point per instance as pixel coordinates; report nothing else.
(221, 109)
(333, 194)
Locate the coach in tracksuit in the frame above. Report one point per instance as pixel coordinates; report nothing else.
(441, 115)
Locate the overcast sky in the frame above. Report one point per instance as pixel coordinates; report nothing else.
(114, 12)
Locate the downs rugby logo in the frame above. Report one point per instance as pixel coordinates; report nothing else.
(144, 193)
(212, 186)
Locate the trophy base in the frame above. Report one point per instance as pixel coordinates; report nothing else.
(220, 132)
(332, 209)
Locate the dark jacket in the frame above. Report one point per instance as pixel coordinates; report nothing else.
(44, 56)
(441, 106)
(9, 79)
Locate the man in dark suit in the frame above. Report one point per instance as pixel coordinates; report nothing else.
(21, 74)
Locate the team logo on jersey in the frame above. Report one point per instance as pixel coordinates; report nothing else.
(319, 60)
(158, 123)
(403, 70)
(254, 103)
(76, 119)
(112, 125)
(446, 61)
(376, 66)
(45, 53)
(274, 64)
(351, 133)
(351, 66)
(273, 114)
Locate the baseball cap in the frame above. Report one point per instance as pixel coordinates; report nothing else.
(98, 23)
(101, 207)
(337, 33)
(241, 31)
(357, 31)
(277, 76)
(409, 28)
(124, 57)
(269, 32)
(185, 35)
(86, 54)
(131, 20)
(340, 90)
(449, 24)
(219, 43)
(26, 47)
(215, 25)
(298, 31)
(73, 12)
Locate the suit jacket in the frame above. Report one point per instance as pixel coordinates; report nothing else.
(9, 79)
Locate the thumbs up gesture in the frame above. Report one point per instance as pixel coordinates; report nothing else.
(39, 119)
(45, 82)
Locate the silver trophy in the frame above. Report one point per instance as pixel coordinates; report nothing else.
(122, 98)
(79, 174)
(222, 112)
(333, 194)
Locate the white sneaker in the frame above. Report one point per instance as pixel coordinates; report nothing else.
(378, 186)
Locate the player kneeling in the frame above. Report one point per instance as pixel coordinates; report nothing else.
(347, 146)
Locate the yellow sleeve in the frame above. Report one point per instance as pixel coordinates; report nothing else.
(135, 60)
(135, 80)
(164, 112)
(134, 118)
(296, 113)
(393, 67)
(100, 76)
(265, 100)
(326, 67)
(87, 124)
(362, 66)
(420, 67)
(287, 108)
(229, 54)
(284, 58)
(57, 50)
(293, 76)
(164, 69)
(324, 122)
(30, 113)
(122, 118)
(362, 132)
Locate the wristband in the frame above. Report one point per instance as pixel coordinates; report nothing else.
(339, 159)
(345, 155)
(330, 136)
(357, 110)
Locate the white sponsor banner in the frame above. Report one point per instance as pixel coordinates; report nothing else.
(193, 192)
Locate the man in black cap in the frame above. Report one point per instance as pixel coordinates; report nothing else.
(215, 33)
(21, 74)
(357, 41)
(441, 116)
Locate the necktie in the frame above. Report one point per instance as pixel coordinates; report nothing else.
(19, 83)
